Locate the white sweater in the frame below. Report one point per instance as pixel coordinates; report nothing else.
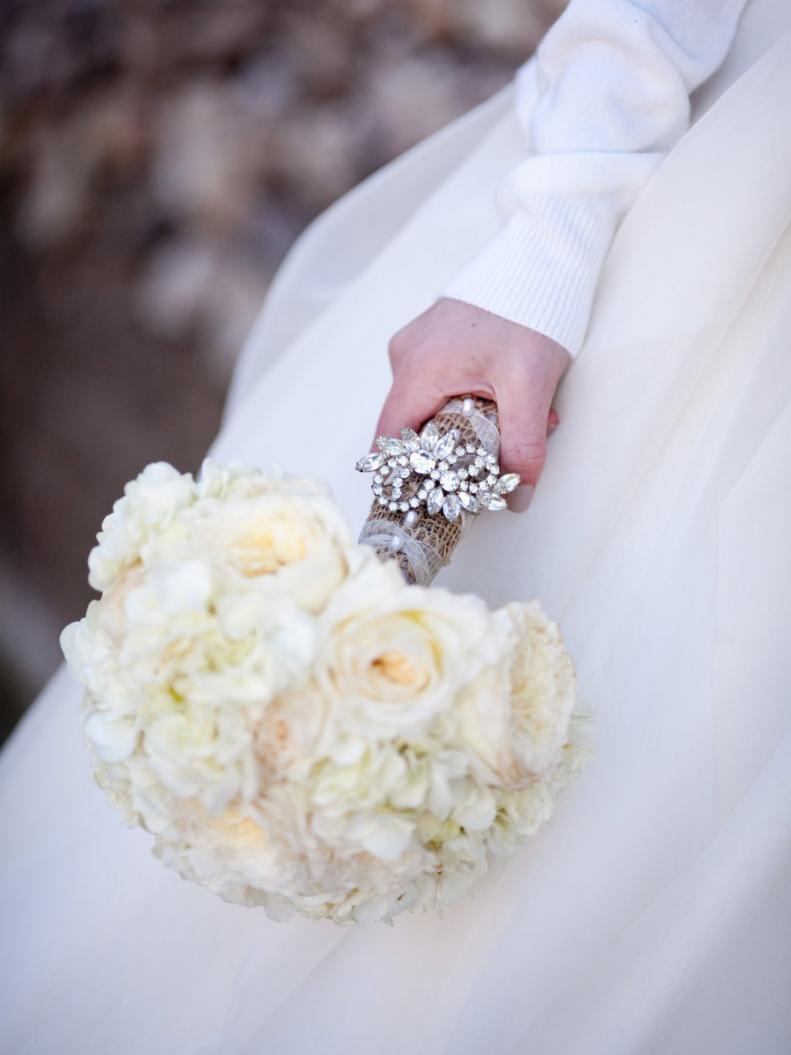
(603, 103)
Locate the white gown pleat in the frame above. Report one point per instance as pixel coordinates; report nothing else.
(653, 915)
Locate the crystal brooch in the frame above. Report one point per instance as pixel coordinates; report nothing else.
(434, 470)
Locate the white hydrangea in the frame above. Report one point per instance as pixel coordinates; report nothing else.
(298, 728)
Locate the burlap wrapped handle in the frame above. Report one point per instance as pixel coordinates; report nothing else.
(420, 541)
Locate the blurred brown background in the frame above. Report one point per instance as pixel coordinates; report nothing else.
(157, 159)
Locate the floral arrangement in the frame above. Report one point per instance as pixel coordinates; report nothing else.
(297, 727)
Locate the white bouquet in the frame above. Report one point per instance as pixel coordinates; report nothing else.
(296, 726)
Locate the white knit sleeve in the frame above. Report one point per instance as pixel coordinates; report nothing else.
(604, 101)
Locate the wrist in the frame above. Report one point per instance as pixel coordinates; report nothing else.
(541, 270)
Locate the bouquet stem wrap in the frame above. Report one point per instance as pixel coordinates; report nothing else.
(420, 542)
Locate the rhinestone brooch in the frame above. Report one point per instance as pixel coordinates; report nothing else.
(437, 471)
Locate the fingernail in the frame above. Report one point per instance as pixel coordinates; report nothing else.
(521, 497)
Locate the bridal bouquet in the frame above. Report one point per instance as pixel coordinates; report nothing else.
(297, 726)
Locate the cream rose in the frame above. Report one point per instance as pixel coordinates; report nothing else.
(392, 657)
(279, 539)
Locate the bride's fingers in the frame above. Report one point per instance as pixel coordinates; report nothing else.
(524, 427)
(526, 420)
(520, 499)
(404, 409)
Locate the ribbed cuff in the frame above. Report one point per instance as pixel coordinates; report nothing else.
(541, 270)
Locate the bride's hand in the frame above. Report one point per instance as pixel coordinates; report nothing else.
(456, 349)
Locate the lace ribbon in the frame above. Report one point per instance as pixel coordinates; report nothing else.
(484, 422)
(424, 561)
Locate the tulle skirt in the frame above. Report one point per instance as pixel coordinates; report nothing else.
(653, 914)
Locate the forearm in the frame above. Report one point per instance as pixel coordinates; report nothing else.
(604, 101)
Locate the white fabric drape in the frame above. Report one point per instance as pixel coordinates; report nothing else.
(653, 915)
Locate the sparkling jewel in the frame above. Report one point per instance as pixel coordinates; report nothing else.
(421, 462)
(390, 445)
(507, 483)
(451, 507)
(410, 439)
(429, 436)
(393, 507)
(492, 501)
(410, 518)
(435, 500)
(435, 474)
(446, 444)
(370, 462)
(449, 480)
(468, 502)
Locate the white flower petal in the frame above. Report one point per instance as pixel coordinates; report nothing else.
(114, 739)
(477, 811)
(183, 588)
(383, 836)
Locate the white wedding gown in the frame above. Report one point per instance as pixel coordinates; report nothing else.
(654, 914)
